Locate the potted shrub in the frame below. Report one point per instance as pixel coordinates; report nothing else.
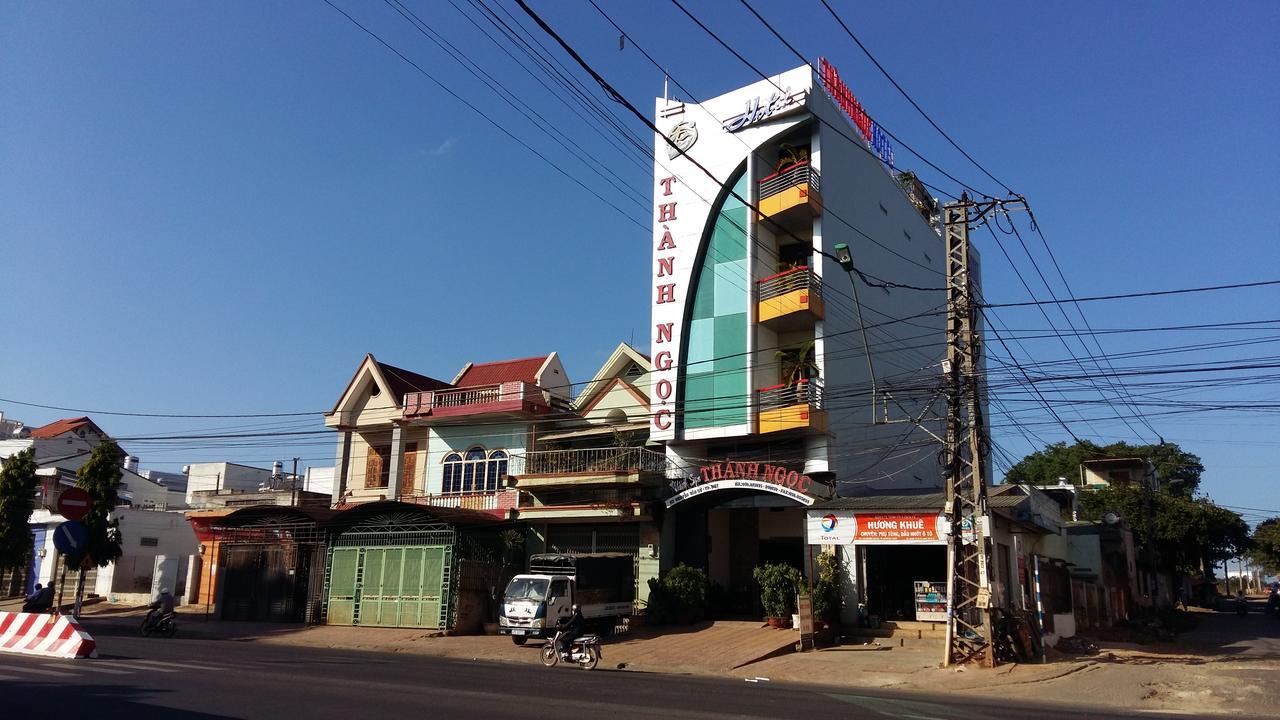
(679, 596)
(778, 583)
(828, 600)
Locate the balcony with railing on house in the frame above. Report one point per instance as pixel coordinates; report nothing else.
(790, 300)
(791, 406)
(790, 197)
(587, 503)
(511, 399)
(498, 502)
(588, 466)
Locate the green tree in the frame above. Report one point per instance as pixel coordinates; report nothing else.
(1188, 534)
(17, 500)
(1179, 470)
(100, 477)
(1266, 545)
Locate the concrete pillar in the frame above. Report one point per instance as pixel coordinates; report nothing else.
(397, 462)
(343, 469)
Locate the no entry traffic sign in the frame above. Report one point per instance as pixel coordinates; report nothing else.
(73, 503)
(69, 537)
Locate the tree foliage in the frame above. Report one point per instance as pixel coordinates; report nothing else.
(1179, 470)
(17, 500)
(1266, 545)
(100, 477)
(1185, 532)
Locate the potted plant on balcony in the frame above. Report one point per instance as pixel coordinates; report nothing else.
(796, 364)
(778, 583)
(789, 155)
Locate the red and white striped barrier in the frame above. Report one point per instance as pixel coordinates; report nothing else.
(45, 634)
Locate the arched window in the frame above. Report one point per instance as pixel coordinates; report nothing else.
(497, 470)
(473, 468)
(452, 473)
(475, 472)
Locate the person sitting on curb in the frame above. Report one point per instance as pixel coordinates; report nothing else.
(40, 600)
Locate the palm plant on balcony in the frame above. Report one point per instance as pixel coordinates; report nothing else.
(789, 155)
(796, 364)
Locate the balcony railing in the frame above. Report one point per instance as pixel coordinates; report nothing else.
(515, 392)
(470, 501)
(801, 278)
(801, 392)
(790, 176)
(589, 460)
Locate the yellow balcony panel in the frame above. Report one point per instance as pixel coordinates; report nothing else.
(793, 417)
(791, 201)
(796, 301)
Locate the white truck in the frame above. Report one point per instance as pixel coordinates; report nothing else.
(603, 585)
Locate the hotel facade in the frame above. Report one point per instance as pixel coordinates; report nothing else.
(762, 384)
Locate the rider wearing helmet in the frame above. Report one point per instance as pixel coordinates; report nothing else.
(570, 629)
(165, 602)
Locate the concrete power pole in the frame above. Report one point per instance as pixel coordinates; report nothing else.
(969, 634)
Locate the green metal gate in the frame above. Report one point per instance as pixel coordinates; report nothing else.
(391, 572)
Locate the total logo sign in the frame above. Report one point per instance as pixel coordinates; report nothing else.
(830, 527)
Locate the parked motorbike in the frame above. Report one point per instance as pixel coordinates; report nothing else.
(159, 623)
(584, 652)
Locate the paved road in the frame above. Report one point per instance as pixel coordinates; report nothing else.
(225, 679)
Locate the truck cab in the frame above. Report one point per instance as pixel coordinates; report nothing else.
(601, 584)
(533, 604)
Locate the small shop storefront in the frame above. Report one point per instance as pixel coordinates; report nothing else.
(895, 549)
(896, 555)
(734, 516)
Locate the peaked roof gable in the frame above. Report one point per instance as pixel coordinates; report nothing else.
(391, 379)
(613, 368)
(66, 425)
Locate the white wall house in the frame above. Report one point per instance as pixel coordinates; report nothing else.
(223, 476)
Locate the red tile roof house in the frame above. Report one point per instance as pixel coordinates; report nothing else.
(407, 436)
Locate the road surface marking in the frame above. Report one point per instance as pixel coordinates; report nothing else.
(84, 666)
(38, 671)
(139, 666)
(9, 677)
(166, 664)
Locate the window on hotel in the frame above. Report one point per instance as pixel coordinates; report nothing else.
(475, 472)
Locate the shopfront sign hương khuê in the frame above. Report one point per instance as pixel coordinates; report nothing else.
(845, 527)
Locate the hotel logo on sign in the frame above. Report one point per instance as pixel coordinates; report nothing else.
(682, 136)
(779, 104)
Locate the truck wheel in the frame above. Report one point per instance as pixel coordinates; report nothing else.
(519, 639)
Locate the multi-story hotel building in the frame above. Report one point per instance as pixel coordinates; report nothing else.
(760, 384)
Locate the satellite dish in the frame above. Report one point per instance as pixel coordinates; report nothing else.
(1110, 518)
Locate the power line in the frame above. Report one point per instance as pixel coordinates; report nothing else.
(910, 99)
(485, 116)
(805, 60)
(1153, 293)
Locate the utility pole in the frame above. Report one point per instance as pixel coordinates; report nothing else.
(969, 634)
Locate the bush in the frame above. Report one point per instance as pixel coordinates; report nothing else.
(778, 583)
(828, 598)
(679, 596)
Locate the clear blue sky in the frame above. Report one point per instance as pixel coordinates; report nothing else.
(220, 207)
